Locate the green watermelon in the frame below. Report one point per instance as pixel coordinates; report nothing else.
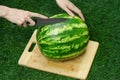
(65, 40)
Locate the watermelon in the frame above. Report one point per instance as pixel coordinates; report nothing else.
(65, 40)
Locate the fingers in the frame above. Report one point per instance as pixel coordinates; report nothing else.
(21, 17)
(68, 11)
(32, 14)
(77, 11)
(20, 22)
(30, 21)
(64, 7)
(26, 22)
(81, 15)
(69, 7)
(73, 8)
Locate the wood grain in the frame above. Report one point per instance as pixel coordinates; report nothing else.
(75, 68)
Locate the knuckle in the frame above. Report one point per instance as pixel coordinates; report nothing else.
(20, 22)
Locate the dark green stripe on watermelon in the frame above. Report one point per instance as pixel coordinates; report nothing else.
(62, 46)
(63, 41)
(73, 32)
(76, 41)
(48, 28)
(68, 55)
(72, 47)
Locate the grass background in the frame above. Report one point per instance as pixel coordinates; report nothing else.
(103, 20)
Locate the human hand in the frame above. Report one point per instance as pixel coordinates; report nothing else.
(21, 17)
(69, 7)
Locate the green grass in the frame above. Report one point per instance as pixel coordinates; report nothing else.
(103, 20)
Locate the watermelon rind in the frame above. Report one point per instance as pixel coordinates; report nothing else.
(65, 40)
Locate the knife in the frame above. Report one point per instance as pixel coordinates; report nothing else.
(43, 22)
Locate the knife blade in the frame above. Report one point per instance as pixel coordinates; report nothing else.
(43, 22)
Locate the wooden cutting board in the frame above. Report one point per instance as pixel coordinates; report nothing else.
(75, 68)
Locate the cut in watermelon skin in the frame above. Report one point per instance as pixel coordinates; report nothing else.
(65, 40)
